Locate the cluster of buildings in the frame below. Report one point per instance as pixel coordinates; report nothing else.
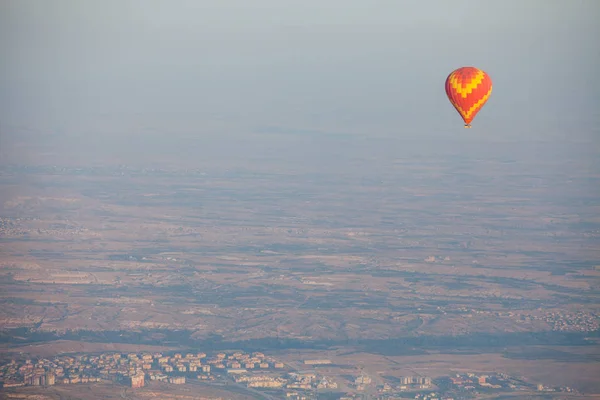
(43, 373)
(251, 370)
(13, 227)
(472, 381)
(479, 383)
(387, 390)
(580, 321)
(407, 383)
(297, 385)
(8, 227)
(292, 380)
(130, 369)
(432, 396)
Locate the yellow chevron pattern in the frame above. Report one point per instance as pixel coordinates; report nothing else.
(474, 107)
(465, 90)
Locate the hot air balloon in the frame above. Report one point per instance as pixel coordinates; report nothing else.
(468, 89)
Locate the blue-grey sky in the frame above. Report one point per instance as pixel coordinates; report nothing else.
(346, 66)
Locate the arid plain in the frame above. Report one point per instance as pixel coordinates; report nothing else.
(391, 265)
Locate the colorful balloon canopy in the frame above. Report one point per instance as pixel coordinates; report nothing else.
(468, 89)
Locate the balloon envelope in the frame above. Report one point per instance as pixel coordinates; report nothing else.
(468, 89)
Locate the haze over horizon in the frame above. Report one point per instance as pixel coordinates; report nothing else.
(198, 68)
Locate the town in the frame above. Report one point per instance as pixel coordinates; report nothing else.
(255, 370)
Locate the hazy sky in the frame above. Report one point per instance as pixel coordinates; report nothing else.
(355, 66)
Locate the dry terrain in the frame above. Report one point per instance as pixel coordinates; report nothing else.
(428, 265)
